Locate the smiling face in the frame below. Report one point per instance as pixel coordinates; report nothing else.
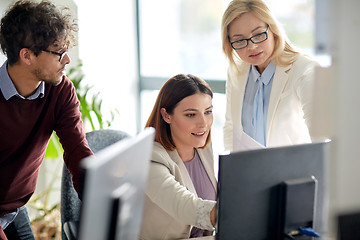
(246, 26)
(190, 123)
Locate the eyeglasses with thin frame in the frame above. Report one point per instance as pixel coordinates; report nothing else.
(256, 39)
(61, 55)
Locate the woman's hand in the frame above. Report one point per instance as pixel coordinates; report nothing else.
(213, 216)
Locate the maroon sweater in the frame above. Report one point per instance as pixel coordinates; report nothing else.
(25, 129)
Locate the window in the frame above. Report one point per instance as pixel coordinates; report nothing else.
(181, 37)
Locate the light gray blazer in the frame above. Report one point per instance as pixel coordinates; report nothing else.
(290, 107)
(171, 204)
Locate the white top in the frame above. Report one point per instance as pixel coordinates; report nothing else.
(290, 107)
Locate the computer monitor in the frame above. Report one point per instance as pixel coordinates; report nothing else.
(348, 225)
(251, 191)
(115, 181)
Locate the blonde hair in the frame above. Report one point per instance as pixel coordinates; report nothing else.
(284, 53)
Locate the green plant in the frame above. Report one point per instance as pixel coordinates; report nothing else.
(90, 108)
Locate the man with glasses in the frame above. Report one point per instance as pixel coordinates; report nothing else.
(36, 98)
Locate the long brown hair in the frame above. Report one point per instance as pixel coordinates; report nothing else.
(174, 90)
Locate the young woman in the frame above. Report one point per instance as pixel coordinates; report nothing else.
(181, 192)
(269, 86)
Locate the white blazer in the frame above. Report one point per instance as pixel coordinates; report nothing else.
(290, 107)
(171, 205)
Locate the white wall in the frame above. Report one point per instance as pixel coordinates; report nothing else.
(345, 191)
(3, 7)
(338, 98)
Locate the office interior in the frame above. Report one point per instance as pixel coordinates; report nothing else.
(129, 48)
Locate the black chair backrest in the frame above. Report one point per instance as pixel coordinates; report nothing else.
(70, 203)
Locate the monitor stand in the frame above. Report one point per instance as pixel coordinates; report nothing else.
(297, 208)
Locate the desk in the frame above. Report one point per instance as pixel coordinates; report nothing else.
(203, 238)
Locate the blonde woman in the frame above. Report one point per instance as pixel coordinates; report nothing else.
(269, 85)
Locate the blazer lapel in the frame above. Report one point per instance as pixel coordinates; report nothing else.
(278, 85)
(238, 93)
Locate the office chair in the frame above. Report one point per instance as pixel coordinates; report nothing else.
(70, 203)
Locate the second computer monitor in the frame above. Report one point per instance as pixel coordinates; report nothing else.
(249, 193)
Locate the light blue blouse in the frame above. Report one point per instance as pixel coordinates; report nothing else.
(256, 102)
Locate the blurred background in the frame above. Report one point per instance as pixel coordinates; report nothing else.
(129, 48)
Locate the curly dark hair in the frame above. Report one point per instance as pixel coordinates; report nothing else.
(35, 26)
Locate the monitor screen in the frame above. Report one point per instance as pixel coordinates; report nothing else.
(115, 181)
(251, 186)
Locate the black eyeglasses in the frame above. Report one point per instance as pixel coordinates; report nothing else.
(258, 38)
(61, 55)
